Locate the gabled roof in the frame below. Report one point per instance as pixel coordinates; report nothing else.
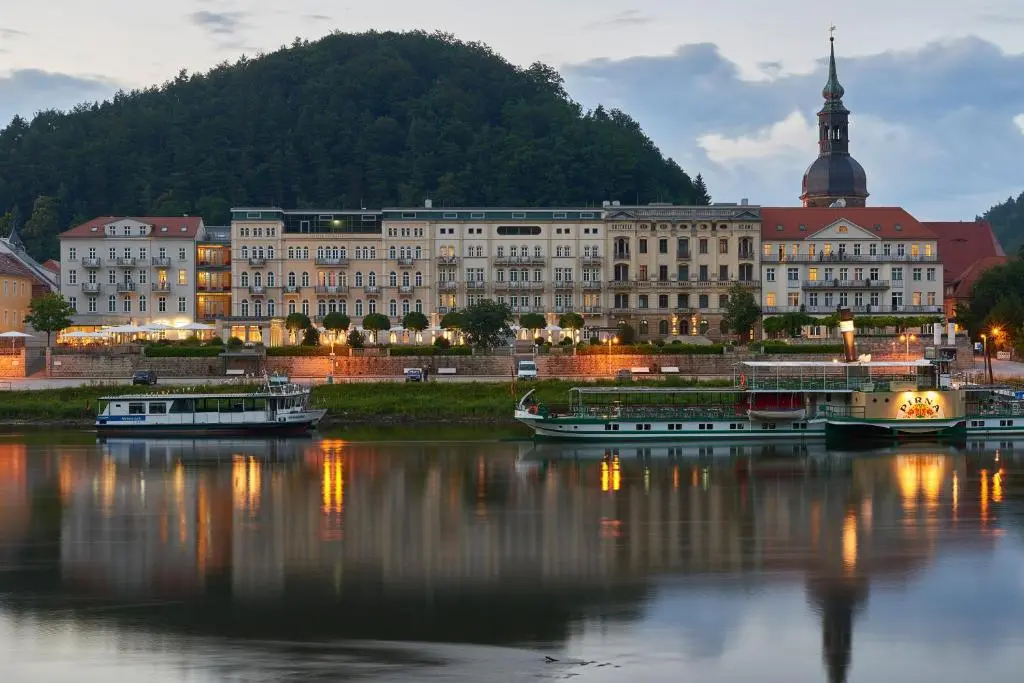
(52, 266)
(174, 225)
(11, 266)
(963, 283)
(799, 222)
(962, 243)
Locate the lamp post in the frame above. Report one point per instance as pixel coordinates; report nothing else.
(611, 340)
(906, 339)
(984, 355)
(988, 354)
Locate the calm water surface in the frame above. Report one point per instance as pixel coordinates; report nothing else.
(460, 560)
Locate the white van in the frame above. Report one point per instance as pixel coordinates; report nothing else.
(527, 370)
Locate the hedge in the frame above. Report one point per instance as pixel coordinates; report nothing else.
(651, 349)
(304, 351)
(430, 351)
(783, 348)
(154, 351)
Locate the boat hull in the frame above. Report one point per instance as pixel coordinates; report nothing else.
(294, 425)
(590, 429)
(866, 428)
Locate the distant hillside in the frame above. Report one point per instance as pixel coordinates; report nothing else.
(352, 120)
(1007, 221)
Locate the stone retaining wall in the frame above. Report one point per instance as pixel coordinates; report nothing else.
(12, 365)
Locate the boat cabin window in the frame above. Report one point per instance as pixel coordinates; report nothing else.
(158, 408)
(181, 405)
(136, 408)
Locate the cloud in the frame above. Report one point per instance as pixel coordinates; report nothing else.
(26, 91)
(1019, 120)
(11, 33)
(624, 19)
(318, 17)
(218, 23)
(937, 129)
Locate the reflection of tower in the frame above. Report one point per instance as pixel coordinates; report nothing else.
(838, 600)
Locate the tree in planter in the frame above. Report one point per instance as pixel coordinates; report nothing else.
(742, 311)
(50, 313)
(336, 323)
(376, 323)
(572, 321)
(487, 324)
(297, 322)
(533, 322)
(415, 321)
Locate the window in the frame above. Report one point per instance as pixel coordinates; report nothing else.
(930, 274)
(723, 246)
(72, 254)
(723, 273)
(703, 273)
(703, 245)
(111, 277)
(873, 249)
(643, 246)
(702, 301)
(683, 273)
(182, 254)
(72, 301)
(873, 274)
(305, 279)
(72, 279)
(897, 274)
(769, 275)
(915, 274)
(915, 298)
(111, 304)
(161, 304)
(126, 305)
(182, 277)
(793, 298)
(182, 304)
(769, 299)
(663, 246)
(793, 274)
(142, 304)
(371, 305)
(92, 304)
(931, 298)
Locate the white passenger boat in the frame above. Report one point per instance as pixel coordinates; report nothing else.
(279, 408)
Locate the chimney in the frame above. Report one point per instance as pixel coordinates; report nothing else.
(744, 202)
(428, 203)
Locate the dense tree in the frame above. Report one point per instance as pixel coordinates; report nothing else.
(487, 323)
(701, 191)
(376, 323)
(49, 313)
(625, 333)
(742, 312)
(41, 229)
(1007, 221)
(297, 322)
(571, 321)
(352, 120)
(311, 336)
(452, 321)
(997, 300)
(532, 321)
(336, 322)
(356, 339)
(415, 321)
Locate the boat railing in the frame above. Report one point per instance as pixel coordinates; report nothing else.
(996, 409)
(680, 412)
(827, 411)
(825, 383)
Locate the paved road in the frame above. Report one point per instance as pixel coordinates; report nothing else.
(33, 383)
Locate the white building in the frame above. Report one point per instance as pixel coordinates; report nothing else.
(118, 270)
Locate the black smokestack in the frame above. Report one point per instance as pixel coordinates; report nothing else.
(846, 328)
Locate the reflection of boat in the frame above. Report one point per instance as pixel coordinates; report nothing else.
(791, 448)
(278, 408)
(151, 451)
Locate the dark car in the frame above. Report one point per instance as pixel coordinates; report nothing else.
(144, 377)
(414, 375)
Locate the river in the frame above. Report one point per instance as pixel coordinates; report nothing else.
(461, 556)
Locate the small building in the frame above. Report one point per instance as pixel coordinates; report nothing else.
(967, 249)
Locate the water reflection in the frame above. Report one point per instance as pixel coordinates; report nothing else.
(271, 547)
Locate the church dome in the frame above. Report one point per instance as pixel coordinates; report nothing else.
(835, 175)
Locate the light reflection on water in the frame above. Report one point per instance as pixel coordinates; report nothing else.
(328, 559)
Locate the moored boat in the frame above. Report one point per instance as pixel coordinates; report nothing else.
(279, 408)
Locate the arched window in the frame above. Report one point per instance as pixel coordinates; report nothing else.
(393, 308)
(536, 251)
(419, 252)
(321, 278)
(321, 307)
(291, 306)
(343, 306)
(245, 279)
(405, 307)
(405, 279)
(270, 279)
(257, 308)
(305, 307)
(373, 252)
(291, 252)
(513, 251)
(644, 328)
(332, 306)
(663, 328)
(270, 252)
(392, 279)
(621, 272)
(320, 252)
(419, 306)
(334, 252)
(271, 308)
(392, 252)
(371, 279)
(245, 308)
(112, 304)
(371, 305)
(305, 253)
(359, 278)
(291, 279)
(142, 306)
(359, 307)
(258, 253)
(343, 252)
(419, 279)
(342, 280)
(305, 279)
(257, 280)
(245, 252)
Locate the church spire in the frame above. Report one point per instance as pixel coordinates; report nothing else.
(833, 91)
(14, 239)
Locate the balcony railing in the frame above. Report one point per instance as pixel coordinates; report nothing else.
(847, 257)
(204, 264)
(591, 285)
(406, 262)
(161, 261)
(327, 261)
(91, 263)
(447, 260)
(593, 260)
(257, 261)
(476, 284)
(846, 284)
(258, 290)
(127, 262)
(371, 289)
(126, 286)
(519, 260)
(684, 254)
(90, 287)
(212, 288)
(161, 286)
(405, 289)
(563, 284)
(591, 310)
(867, 309)
(291, 289)
(746, 254)
(330, 289)
(621, 255)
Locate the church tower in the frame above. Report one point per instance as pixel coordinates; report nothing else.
(834, 177)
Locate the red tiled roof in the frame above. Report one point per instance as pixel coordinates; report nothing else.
(964, 282)
(174, 225)
(52, 266)
(880, 221)
(962, 243)
(13, 267)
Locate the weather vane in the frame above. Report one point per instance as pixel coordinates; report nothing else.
(831, 31)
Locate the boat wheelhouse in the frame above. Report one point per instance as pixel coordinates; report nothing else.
(279, 407)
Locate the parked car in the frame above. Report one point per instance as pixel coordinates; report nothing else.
(624, 374)
(527, 370)
(144, 377)
(414, 375)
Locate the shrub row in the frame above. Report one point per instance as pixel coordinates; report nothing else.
(160, 351)
(784, 348)
(675, 349)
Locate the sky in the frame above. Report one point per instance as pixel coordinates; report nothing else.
(727, 89)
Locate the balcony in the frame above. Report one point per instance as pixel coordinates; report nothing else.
(91, 263)
(211, 289)
(204, 264)
(621, 284)
(846, 258)
(519, 260)
(591, 285)
(291, 289)
(445, 309)
(846, 284)
(91, 287)
(127, 262)
(258, 290)
(476, 284)
(407, 289)
(746, 254)
(594, 260)
(406, 262)
(621, 255)
(257, 262)
(563, 284)
(329, 261)
(684, 254)
(126, 287)
(866, 309)
(591, 310)
(447, 260)
(161, 286)
(328, 289)
(519, 286)
(371, 289)
(161, 261)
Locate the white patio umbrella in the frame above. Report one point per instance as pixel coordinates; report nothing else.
(197, 327)
(125, 329)
(156, 327)
(12, 335)
(84, 335)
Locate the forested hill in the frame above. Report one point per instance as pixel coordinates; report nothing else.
(1007, 221)
(349, 121)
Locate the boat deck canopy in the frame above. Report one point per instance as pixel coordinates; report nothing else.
(919, 363)
(654, 390)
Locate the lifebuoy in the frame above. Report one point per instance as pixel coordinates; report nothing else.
(532, 410)
(743, 381)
